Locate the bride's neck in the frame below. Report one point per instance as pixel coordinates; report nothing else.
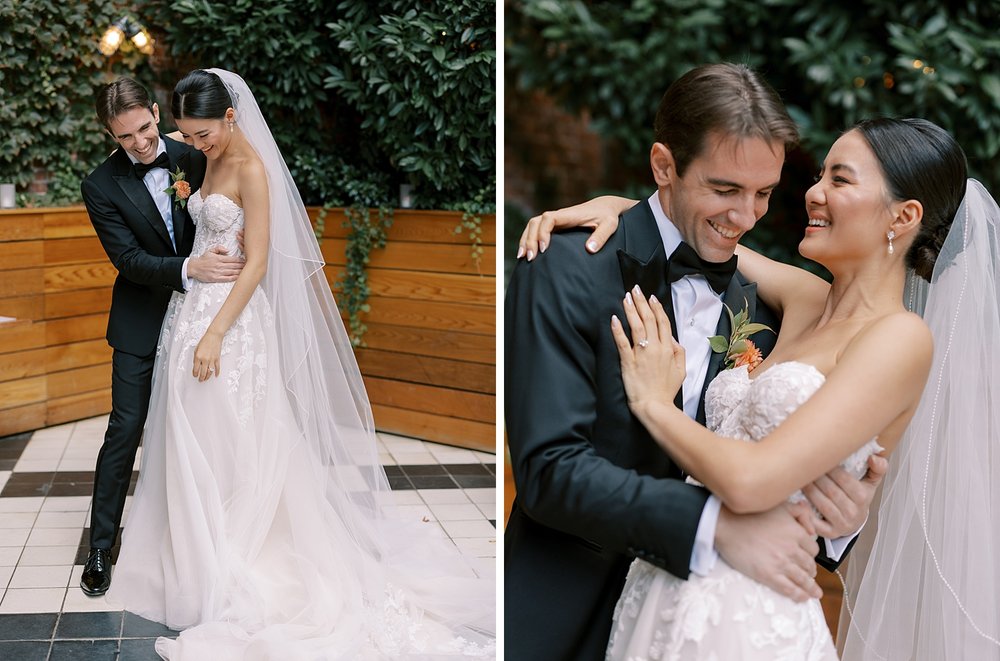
(865, 294)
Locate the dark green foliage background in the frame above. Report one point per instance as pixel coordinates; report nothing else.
(827, 60)
(361, 96)
(49, 68)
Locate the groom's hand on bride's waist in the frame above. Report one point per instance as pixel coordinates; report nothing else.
(843, 500)
(215, 265)
(776, 548)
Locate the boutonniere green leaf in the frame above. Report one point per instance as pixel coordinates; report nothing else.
(738, 348)
(180, 190)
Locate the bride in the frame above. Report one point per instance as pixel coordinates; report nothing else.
(259, 524)
(843, 380)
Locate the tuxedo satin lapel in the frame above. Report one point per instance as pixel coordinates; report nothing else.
(738, 295)
(138, 194)
(180, 157)
(643, 262)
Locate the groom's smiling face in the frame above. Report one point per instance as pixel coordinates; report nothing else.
(136, 131)
(723, 192)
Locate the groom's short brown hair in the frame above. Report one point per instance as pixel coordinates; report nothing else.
(726, 98)
(119, 96)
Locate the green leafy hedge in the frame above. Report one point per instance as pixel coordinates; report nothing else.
(49, 69)
(832, 63)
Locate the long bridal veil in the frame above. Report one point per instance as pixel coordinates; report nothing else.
(413, 594)
(931, 583)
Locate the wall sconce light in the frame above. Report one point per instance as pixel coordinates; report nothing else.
(115, 35)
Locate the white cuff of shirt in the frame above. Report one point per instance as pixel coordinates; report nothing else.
(704, 555)
(185, 280)
(835, 547)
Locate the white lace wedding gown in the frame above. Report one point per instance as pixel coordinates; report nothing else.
(230, 536)
(726, 616)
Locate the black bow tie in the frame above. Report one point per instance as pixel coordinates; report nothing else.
(161, 161)
(685, 261)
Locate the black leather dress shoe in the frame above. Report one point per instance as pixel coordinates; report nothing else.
(96, 577)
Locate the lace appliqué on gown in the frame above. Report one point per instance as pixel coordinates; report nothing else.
(230, 536)
(727, 616)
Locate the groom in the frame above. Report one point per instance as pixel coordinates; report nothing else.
(147, 235)
(594, 490)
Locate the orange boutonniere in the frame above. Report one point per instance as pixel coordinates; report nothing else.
(180, 190)
(739, 350)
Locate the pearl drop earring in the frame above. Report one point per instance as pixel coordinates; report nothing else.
(890, 235)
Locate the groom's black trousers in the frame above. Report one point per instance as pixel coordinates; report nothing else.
(131, 385)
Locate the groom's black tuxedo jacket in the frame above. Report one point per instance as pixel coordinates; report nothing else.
(593, 488)
(135, 238)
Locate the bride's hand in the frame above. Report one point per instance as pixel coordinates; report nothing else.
(207, 355)
(600, 213)
(653, 370)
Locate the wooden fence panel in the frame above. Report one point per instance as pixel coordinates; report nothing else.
(428, 363)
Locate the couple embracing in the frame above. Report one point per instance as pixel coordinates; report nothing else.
(646, 526)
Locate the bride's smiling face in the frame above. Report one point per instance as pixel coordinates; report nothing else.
(849, 207)
(210, 136)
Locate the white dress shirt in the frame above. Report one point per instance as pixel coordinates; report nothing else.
(697, 309)
(157, 181)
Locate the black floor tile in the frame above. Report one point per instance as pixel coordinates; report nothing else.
(73, 477)
(138, 649)
(400, 483)
(475, 481)
(28, 484)
(84, 650)
(466, 469)
(24, 651)
(393, 471)
(89, 625)
(27, 626)
(7, 464)
(433, 482)
(140, 627)
(415, 470)
(71, 489)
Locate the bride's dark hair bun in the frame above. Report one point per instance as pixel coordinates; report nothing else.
(920, 161)
(200, 95)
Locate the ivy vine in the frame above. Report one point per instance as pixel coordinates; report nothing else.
(482, 202)
(365, 235)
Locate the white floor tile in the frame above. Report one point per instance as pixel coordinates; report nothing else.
(14, 536)
(464, 512)
(32, 600)
(17, 520)
(477, 546)
(77, 602)
(21, 504)
(40, 577)
(443, 496)
(482, 496)
(450, 455)
(4, 476)
(386, 459)
(61, 520)
(397, 444)
(59, 432)
(485, 568)
(54, 537)
(414, 513)
(76, 464)
(36, 465)
(404, 497)
(485, 457)
(42, 451)
(415, 458)
(489, 511)
(64, 504)
(36, 556)
(9, 555)
(458, 529)
(5, 574)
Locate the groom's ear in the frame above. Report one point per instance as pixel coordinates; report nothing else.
(661, 161)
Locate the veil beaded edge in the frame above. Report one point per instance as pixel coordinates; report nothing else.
(923, 578)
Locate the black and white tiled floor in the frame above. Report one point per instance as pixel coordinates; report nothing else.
(46, 480)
